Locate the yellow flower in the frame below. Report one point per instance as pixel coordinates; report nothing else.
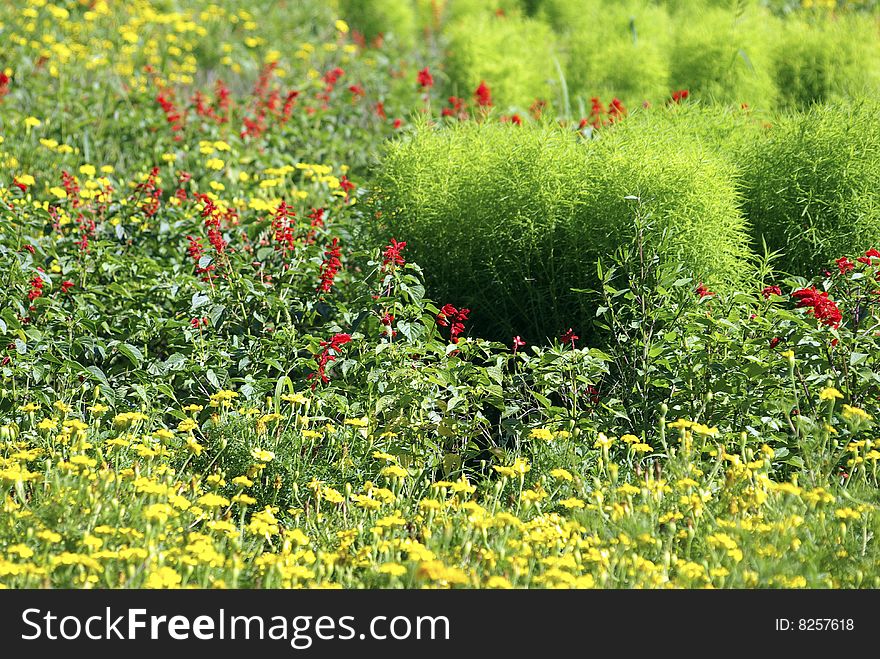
(855, 413)
(393, 569)
(394, 471)
(47, 424)
(32, 122)
(212, 500)
(603, 442)
(572, 503)
(704, 430)
(194, 446)
(541, 433)
(561, 474)
(164, 577)
(505, 471)
(829, 393)
(87, 170)
(242, 481)
(363, 422)
(215, 163)
(342, 26)
(25, 179)
(521, 466)
(262, 455)
(498, 581)
(186, 425)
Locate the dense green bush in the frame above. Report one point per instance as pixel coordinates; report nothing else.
(373, 18)
(823, 58)
(613, 50)
(507, 220)
(459, 9)
(513, 55)
(812, 186)
(724, 56)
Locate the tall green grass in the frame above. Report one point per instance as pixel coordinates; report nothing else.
(507, 220)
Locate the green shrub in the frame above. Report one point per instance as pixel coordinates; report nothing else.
(373, 18)
(513, 55)
(724, 56)
(613, 50)
(822, 59)
(460, 9)
(812, 187)
(507, 220)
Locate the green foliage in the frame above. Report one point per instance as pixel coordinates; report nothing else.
(822, 58)
(812, 185)
(618, 50)
(507, 220)
(724, 56)
(513, 55)
(374, 18)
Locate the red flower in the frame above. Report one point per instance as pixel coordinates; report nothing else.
(774, 342)
(387, 319)
(195, 249)
(870, 254)
(537, 108)
(66, 285)
(569, 337)
(329, 351)
(844, 265)
(380, 110)
(771, 290)
(616, 110)
(517, 344)
(330, 266)
(680, 95)
(425, 79)
(346, 185)
(392, 256)
(820, 306)
(357, 90)
(333, 76)
(701, 291)
(283, 227)
(172, 115)
(36, 291)
(456, 108)
(397, 124)
(453, 318)
(483, 95)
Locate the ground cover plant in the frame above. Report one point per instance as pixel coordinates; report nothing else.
(343, 295)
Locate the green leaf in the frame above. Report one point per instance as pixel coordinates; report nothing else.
(212, 378)
(175, 361)
(134, 355)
